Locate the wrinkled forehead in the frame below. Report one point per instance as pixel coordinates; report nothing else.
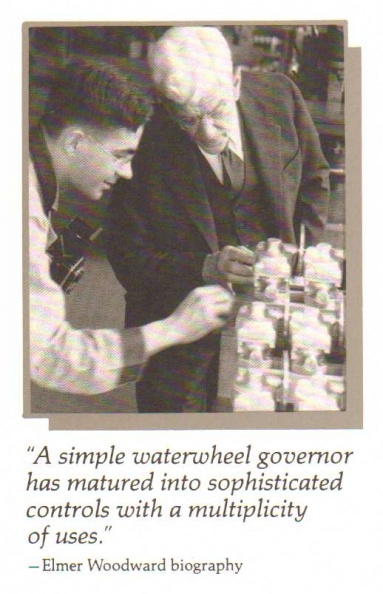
(192, 66)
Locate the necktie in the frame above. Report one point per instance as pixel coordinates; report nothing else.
(233, 170)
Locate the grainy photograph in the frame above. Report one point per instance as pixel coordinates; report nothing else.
(186, 214)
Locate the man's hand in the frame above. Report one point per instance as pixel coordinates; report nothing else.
(205, 309)
(230, 265)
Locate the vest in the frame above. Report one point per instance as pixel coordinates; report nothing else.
(240, 218)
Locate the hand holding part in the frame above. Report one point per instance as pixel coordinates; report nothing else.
(205, 309)
(230, 265)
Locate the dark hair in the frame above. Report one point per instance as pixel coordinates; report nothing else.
(97, 93)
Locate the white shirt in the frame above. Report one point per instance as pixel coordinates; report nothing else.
(61, 357)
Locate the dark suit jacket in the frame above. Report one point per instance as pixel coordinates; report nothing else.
(161, 222)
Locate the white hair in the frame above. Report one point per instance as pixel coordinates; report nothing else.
(190, 64)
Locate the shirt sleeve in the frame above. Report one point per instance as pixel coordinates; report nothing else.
(61, 357)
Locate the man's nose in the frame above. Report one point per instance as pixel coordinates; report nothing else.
(124, 170)
(207, 127)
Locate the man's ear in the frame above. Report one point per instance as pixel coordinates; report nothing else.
(72, 139)
(237, 83)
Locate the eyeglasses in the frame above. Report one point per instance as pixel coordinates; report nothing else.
(187, 122)
(122, 160)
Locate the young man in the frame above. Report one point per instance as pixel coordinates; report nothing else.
(226, 161)
(86, 140)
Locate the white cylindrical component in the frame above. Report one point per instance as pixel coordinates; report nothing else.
(309, 396)
(273, 246)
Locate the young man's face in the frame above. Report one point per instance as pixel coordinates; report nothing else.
(98, 158)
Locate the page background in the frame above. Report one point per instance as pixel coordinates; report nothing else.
(338, 546)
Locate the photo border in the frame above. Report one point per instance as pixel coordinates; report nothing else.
(352, 417)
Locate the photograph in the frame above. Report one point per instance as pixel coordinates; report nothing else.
(186, 222)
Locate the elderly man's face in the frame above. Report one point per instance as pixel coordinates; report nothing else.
(209, 123)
